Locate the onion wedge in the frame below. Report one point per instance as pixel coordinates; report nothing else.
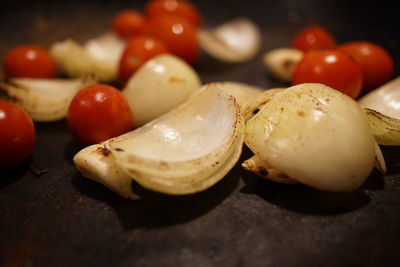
(315, 135)
(385, 129)
(281, 62)
(237, 40)
(98, 163)
(385, 99)
(243, 93)
(188, 149)
(160, 85)
(99, 56)
(44, 99)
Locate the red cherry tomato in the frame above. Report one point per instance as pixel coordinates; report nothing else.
(137, 51)
(97, 113)
(178, 34)
(29, 61)
(332, 68)
(17, 134)
(182, 8)
(375, 61)
(312, 38)
(128, 23)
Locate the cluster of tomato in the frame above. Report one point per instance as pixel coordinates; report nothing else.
(166, 26)
(352, 67)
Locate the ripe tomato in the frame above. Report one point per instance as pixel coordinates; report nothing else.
(332, 68)
(313, 37)
(97, 113)
(156, 8)
(128, 23)
(375, 61)
(17, 134)
(178, 34)
(137, 51)
(29, 61)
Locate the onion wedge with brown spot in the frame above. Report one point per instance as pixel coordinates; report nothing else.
(315, 135)
(44, 99)
(97, 162)
(188, 149)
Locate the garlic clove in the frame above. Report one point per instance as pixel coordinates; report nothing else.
(99, 56)
(237, 40)
(281, 62)
(160, 85)
(44, 99)
(97, 162)
(385, 99)
(316, 136)
(186, 150)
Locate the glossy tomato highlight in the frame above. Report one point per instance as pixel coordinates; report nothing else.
(179, 8)
(311, 38)
(375, 61)
(137, 51)
(17, 134)
(29, 61)
(332, 68)
(97, 113)
(178, 34)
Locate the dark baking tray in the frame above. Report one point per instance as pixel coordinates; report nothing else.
(63, 219)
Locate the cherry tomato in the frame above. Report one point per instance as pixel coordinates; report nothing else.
(332, 68)
(97, 113)
(313, 37)
(137, 51)
(375, 61)
(178, 34)
(182, 8)
(29, 61)
(128, 23)
(17, 134)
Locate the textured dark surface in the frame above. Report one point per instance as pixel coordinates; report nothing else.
(63, 219)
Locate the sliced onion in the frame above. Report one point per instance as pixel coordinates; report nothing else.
(188, 149)
(99, 56)
(385, 99)
(316, 136)
(281, 62)
(234, 41)
(98, 163)
(253, 107)
(158, 86)
(385, 129)
(44, 99)
(242, 92)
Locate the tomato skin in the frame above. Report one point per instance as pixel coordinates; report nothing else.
(375, 61)
(137, 51)
(128, 23)
(156, 8)
(311, 38)
(29, 61)
(178, 34)
(97, 113)
(17, 134)
(332, 68)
